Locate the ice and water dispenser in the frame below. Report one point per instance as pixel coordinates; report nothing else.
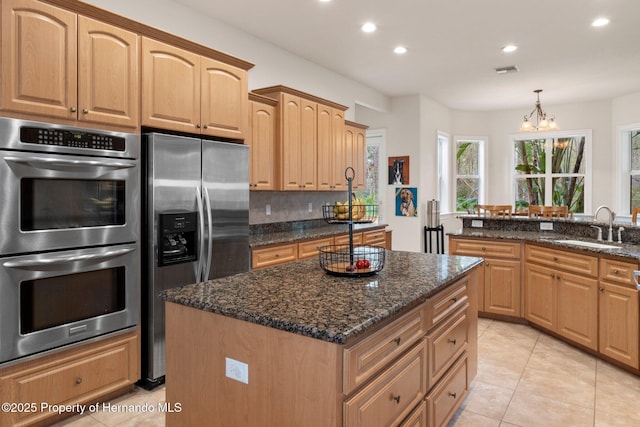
(177, 237)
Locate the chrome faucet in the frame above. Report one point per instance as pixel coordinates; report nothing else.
(612, 216)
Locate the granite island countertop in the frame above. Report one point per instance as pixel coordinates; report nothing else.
(300, 297)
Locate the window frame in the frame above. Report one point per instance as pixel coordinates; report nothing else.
(378, 137)
(483, 142)
(549, 136)
(444, 192)
(624, 166)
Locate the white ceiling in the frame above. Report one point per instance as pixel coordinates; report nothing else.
(455, 45)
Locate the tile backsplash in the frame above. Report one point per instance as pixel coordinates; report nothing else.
(290, 205)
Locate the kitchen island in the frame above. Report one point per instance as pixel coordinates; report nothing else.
(292, 345)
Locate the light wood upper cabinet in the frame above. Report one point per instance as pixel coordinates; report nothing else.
(355, 142)
(187, 92)
(308, 145)
(331, 149)
(262, 142)
(59, 65)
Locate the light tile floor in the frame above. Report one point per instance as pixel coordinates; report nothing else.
(525, 378)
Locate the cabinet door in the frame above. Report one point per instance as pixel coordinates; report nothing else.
(308, 145)
(578, 309)
(170, 87)
(359, 158)
(262, 143)
(339, 153)
(540, 296)
(224, 103)
(502, 287)
(290, 135)
(39, 59)
(108, 74)
(618, 309)
(325, 149)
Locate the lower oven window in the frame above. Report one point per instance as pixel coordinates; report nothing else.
(54, 301)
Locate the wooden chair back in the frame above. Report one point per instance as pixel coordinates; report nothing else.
(495, 211)
(634, 214)
(538, 211)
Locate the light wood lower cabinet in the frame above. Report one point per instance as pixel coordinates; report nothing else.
(274, 255)
(81, 375)
(382, 379)
(501, 285)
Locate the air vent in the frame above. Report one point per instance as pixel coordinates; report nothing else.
(507, 70)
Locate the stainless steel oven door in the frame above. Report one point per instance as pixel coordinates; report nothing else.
(50, 201)
(58, 298)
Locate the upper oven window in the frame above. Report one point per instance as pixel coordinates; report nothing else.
(47, 203)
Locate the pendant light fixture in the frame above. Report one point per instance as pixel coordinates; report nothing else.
(541, 121)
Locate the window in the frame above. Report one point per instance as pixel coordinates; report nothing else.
(552, 170)
(630, 162)
(469, 172)
(444, 172)
(375, 153)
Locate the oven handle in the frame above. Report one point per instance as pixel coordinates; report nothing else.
(207, 265)
(60, 260)
(200, 234)
(51, 163)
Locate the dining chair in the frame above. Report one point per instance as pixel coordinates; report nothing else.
(634, 214)
(495, 211)
(538, 211)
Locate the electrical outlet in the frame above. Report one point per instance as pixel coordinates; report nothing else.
(310, 207)
(268, 210)
(546, 226)
(237, 370)
(476, 223)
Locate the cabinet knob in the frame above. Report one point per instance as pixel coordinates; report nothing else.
(396, 398)
(555, 259)
(397, 340)
(79, 380)
(616, 272)
(85, 111)
(454, 394)
(484, 249)
(487, 263)
(206, 127)
(601, 289)
(72, 109)
(453, 341)
(198, 125)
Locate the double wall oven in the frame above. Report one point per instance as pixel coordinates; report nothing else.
(69, 235)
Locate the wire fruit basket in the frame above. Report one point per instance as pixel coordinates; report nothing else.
(358, 261)
(360, 213)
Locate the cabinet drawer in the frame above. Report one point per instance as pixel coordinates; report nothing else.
(561, 259)
(418, 417)
(445, 398)
(389, 398)
(619, 272)
(274, 255)
(78, 376)
(445, 344)
(447, 302)
(484, 248)
(344, 239)
(367, 357)
(374, 237)
(309, 249)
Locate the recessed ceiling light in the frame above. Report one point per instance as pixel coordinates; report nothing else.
(400, 50)
(368, 27)
(600, 22)
(509, 48)
(324, 1)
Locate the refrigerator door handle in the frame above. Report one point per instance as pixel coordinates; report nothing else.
(200, 266)
(208, 261)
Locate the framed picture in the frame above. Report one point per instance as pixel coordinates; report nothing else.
(399, 170)
(406, 201)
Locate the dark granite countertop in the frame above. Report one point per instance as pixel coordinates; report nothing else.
(301, 298)
(551, 239)
(258, 239)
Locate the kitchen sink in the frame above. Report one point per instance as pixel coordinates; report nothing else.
(587, 244)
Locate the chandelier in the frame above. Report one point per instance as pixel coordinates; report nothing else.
(541, 123)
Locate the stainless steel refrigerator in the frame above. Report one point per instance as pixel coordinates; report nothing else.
(195, 227)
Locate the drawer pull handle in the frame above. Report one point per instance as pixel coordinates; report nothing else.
(397, 340)
(484, 249)
(396, 398)
(555, 259)
(616, 272)
(454, 300)
(453, 341)
(79, 380)
(454, 394)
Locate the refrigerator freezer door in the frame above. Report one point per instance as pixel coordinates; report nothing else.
(225, 178)
(173, 179)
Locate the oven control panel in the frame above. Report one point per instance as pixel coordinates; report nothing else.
(71, 138)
